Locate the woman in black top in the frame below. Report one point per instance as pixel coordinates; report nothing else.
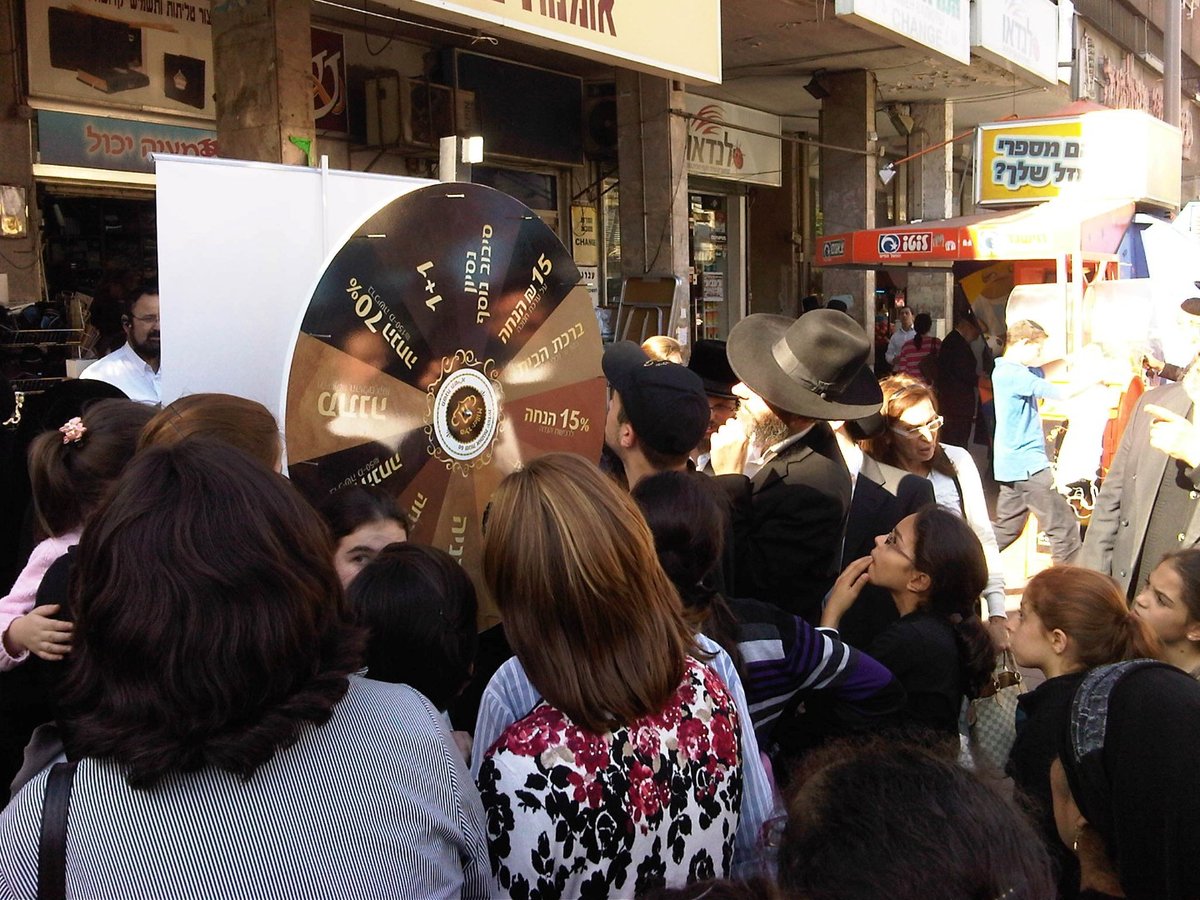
(933, 566)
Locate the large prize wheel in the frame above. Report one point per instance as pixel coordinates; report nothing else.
(447, 343)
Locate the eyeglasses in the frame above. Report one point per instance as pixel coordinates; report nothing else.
(146, 320)
(724, 406)
(893, 541)
(928, 431)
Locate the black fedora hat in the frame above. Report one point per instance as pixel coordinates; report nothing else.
(710, 361)
(813, 366)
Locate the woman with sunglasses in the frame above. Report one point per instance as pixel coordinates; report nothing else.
(909, 441)
(933, 566)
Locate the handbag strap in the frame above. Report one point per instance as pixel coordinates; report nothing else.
(52, 845)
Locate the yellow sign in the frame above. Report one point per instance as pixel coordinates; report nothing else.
(1027, 162)
(665, 37)
(584, 246)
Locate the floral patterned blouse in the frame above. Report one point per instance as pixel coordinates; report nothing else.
(572, 813)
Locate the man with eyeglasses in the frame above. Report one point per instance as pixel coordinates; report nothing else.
(134, 367)
(710, 361)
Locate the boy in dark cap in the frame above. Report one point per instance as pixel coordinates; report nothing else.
(657, 411)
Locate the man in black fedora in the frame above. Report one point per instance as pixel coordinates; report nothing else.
(789, 519)
(710, 361)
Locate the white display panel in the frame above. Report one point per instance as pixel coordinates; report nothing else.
(240, 247)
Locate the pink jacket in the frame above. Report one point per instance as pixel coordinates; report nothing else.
(23, 595)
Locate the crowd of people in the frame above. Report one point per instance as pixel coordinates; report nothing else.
(737, 658)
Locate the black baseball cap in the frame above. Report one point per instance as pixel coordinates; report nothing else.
(664, 401)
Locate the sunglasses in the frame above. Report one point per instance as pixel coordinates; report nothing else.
(928, 431)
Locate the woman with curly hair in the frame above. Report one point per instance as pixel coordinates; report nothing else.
(220, 743)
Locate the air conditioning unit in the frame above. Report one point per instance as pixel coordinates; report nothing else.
(431, 111)
(382, 110)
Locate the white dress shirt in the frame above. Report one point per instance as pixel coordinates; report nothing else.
(124, 369)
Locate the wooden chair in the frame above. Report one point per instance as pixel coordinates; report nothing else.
(644, 309)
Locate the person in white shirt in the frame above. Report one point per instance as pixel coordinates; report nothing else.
(904, 333)
(134, 367)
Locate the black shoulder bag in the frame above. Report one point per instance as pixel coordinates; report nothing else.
(52, 845)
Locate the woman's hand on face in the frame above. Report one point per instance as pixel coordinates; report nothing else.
(40, 634)
(845, 591)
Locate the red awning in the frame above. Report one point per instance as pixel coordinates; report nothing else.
(1093, 228)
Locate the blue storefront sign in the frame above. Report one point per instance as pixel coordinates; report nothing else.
(99, 142)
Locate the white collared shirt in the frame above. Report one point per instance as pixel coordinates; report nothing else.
(125, 370)
(775, 449)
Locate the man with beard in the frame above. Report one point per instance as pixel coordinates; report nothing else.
(790, 517)
(133, 367)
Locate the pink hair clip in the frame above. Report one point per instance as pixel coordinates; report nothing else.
(73, 431)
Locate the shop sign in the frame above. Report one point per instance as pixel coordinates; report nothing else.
(833, 249)
(666, 37)
(1114, 77)
(98, 142)
(892, 243)
(141, 54)
(717, 148)
(584, 246)
(589, 277)
(329, 80)
(1020, 34)
(1022, 162)
(943, 26)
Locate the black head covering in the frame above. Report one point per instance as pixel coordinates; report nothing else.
(1130, 759)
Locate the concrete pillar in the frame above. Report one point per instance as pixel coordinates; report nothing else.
(652, 147)
(262, 54)
(848, 180)
(20, 260)
(930, 181)
(775, 239)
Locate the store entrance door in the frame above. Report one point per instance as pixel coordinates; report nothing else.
(717, 262)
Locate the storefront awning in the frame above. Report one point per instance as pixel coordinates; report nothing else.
(1093, 228)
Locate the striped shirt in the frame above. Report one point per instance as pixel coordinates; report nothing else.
(374, 803)
(510, 696)
(783, 656)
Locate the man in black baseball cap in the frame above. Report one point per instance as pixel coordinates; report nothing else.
(657, 411)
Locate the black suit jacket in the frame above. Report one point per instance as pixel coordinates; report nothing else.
(883, 495)
(788, 523)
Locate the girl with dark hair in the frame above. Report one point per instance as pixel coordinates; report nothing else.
(912, 442)
(1071, 620)
(220, 742)
(933, 566)
(1170, 605)
(363, 520)
(912, 356)
(627, 771)
(887, 819)
(784, 660)
(1124, 782)
(70, 471)
(418, 607)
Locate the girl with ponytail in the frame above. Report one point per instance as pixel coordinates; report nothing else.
(1071, 620)
(933, 566)
(70, 471)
